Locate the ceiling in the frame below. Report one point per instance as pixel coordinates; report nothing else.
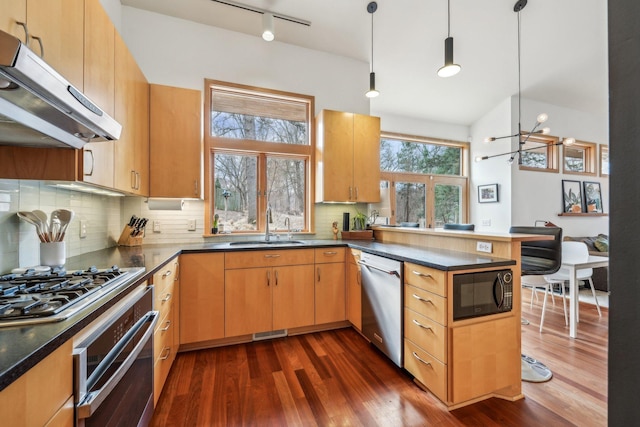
(563, 48)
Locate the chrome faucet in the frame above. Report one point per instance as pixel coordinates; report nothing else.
(267, 235)
(287, 222)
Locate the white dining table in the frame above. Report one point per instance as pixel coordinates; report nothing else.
(592, 262)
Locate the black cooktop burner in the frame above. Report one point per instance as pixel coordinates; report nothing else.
(40, 292)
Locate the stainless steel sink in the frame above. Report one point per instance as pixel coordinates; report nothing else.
(269, 243)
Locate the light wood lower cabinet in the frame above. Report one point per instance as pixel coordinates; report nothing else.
(166, 334)
(463, 361)
(42, 395)
(330, 293)
(354, 289)
(201, 297)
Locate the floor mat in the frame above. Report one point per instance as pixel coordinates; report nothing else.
(534, 371)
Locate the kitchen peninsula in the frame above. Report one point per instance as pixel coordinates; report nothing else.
(463, 382)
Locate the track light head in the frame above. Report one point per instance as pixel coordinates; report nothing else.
(268, 32)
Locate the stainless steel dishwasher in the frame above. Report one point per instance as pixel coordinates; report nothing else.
(382, 304)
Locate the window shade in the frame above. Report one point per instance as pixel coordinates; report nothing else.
(255, 105)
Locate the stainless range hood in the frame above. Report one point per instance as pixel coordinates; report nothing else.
(40, 108)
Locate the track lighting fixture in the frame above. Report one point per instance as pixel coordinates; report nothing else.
(268, 32)
(449, 69)
(372, 92)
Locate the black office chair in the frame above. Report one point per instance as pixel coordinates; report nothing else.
(538, 258)
(451, 226)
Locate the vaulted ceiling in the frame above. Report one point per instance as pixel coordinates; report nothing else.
(563, 48)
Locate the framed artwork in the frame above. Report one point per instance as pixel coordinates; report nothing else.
(592, 197)
(571, 196)
(488, 193)
(604, 160)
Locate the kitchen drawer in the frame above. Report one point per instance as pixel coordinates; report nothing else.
(163, 300)
(426, 303)
(426, 278)
(164, 353)
(325, 255)
(163, 336)
(426, 333)
(269, 258)
(427, 369)
(165, 276)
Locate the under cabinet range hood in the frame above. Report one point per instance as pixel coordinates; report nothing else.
(40, 108)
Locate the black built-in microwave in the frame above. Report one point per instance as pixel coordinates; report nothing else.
(482, 293)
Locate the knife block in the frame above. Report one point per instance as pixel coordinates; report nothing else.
(126, 239)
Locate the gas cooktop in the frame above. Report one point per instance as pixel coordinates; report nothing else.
(42, 294)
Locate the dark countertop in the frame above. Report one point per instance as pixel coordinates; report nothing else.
(22, 347)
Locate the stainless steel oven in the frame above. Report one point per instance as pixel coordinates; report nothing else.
(113, 365)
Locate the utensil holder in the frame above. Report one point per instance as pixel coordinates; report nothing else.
(126, 239)
(53, 254)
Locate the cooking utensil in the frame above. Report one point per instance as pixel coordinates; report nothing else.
(44, 223)
(32, 219)
(65, 216)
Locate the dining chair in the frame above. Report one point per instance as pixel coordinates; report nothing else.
(574, 252)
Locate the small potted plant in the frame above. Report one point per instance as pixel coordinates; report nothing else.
(359, 221)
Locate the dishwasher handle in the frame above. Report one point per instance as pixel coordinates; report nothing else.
(390, 272)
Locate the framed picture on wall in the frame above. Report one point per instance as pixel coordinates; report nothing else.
(571, 196)
(592, 197)
(488, 193)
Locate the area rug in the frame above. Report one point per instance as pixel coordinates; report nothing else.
(585, 295)
(534, 371)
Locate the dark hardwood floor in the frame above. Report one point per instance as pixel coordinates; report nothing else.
(337, 378)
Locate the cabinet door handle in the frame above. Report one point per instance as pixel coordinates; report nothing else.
(268, 278)
(41, 45)
(166, 298)
(168, 350)
(318, 274)
(276, 274)
(166, 328)
(166, 273)
(26, 32)
(420, 359)
(419, 298)
(271, 256)
(356, 193)
(421, 325)
(93, 162)
(419, 274)
(350, 193)
(133, 179)
(195, 192)
(177, 266)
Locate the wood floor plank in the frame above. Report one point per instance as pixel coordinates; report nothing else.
(337, 378)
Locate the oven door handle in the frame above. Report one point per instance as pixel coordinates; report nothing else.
(390, 272)
(92, 401)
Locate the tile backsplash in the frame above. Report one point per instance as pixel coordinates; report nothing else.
(105, 216)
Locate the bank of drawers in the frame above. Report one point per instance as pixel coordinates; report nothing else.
(165, 338)
(425, 330)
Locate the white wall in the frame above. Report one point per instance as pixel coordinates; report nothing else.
(421, 127)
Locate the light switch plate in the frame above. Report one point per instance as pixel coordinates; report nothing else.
(191, 225)
(486, 222)
(484, 247)
(83, 228)
(156, 226)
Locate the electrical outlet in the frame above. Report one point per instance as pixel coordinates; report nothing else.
(484, 247)
(156, 226)
(191, 225)
(83, 228)
(486, 223)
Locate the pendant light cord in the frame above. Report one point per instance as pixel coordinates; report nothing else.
(372, 13)
(519, 88)
(448, 18)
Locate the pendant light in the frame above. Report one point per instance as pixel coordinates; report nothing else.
(449, 69)
(523, 137)
(372, 92)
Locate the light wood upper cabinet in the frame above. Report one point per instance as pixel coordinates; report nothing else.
(131, 164)
(201, 297)
(59, 25)
(175, 141)
(347, 157)
(97, 160)
(13, 11)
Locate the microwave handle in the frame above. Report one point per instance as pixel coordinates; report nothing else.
(93, 400)
(498, 280)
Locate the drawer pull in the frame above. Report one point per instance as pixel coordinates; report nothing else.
(271, 256)
(330, 253)
(166, 328)
(421, 325)
(168, 349)
(166, 298)
(419, 298)
(420, 359)
(419, 274)
(166, 274)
